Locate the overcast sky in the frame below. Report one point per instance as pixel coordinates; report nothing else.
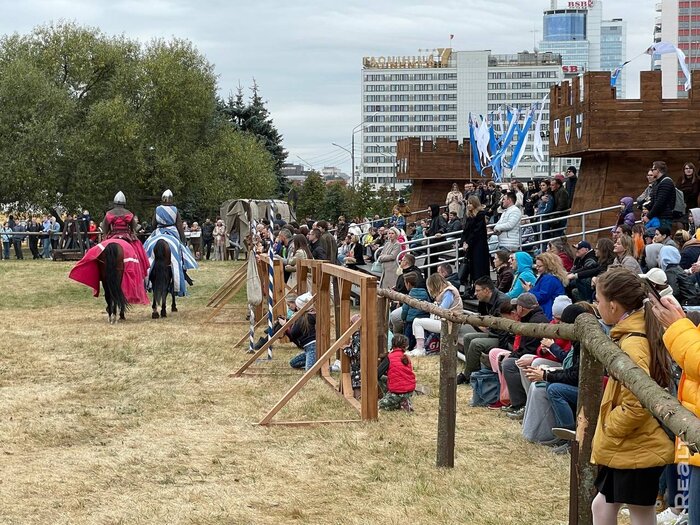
(306, 56)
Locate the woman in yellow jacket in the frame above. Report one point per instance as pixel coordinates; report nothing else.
(682, 338)
(629, 444)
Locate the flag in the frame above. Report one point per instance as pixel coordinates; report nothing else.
(663, 48)
(451, 37)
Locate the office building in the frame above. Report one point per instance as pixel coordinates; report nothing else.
(676, 22)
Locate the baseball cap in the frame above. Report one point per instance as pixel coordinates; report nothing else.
(655, 276)
(526, 300)
(560, 177)
(583, 244)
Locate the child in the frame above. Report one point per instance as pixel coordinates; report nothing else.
(401, 381)
(303, 334)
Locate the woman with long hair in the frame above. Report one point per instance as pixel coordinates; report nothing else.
(474, 240)
(455, 201)
(301, 250)
(561, 249)
(604, 253)
(624, 254)
(689, 184)
(551, 281)
(629, 444)
(387, 258)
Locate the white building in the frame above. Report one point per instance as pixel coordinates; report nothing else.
(677, 22)
(431, 96)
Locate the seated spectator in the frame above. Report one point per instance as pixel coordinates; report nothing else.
(604, 255)
(680, 238)
(480, 342)
(626, 215)
(445, 296)
(406, 265)
(409, 314)
(529, 312)
(521, 263)
(445, 269)
(453, 223)
(683, 286)
(303, 334)
(504, 273)
(662, 235)
(624, 255)
(551, 281)
(496, 355)
(561, 249)
(355, 253)
(585, 260)
(400, 379)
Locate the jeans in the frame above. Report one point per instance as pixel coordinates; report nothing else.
(563, 398)
(476, 344)
(5, 249)
(46, 248)
(694, 493)
(511, 373)
(307, 358)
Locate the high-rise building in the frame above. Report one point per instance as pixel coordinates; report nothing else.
(677, 22)
(576, 30)
(430, 96)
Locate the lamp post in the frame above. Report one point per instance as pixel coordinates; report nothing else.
(352, 154)
(352, 159)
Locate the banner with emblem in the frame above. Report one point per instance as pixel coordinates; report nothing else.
(567, 129)
(555, 132)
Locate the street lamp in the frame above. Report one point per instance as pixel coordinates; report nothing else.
(352, 154)
(351, 158)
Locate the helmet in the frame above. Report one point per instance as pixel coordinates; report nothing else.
(167, 196)
(119, 198)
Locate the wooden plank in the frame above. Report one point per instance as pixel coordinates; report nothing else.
(354, 403)
(355, 276)
(447, 410)
(368, 344)
(275, 337)
(309, 423)
(343, 320)
(235, 277)
(311, 372)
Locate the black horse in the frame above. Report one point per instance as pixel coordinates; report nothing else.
(161, 278)
(111, 267)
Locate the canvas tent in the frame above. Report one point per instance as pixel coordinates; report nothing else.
(238, 214)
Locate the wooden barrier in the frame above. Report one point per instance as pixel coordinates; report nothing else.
(325, 351)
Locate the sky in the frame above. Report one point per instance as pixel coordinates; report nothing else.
(306, 56)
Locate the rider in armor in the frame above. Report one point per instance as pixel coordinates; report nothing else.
(168, 224)
(120, 223)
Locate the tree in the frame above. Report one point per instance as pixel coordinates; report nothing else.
(311, 197)
(336, 202)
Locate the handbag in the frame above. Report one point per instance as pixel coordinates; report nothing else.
(376, 267)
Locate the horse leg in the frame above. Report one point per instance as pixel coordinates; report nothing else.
(173, 308)
(163, 303)
(108, 300)
(154, 315)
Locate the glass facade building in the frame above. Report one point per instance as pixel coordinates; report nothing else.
(563, 25)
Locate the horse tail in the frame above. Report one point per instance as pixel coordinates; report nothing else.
(113, 275)
(160, 271)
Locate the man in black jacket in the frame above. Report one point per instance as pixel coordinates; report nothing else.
(484, 339)
(663, 194)
(445, 269)
(317, 249)
(585, 260)
(561, 204)
(529, 311)
(207, 237)
(407, 265)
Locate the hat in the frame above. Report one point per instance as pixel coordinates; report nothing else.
(526, 300)
(655, 276)
(571, 312)
(302, 300)
(572, 169)
(560, 177)
(584, 244)
(559, 304)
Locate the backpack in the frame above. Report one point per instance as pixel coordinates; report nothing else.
(485, 387)
(679, 208)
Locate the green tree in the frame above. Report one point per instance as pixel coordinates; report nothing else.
(311, 197)
(337, 201)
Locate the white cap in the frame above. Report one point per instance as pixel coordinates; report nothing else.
(656, 276)
(119, 198)
(302, 300)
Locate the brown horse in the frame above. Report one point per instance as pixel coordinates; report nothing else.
(111, 267)
(161, 277)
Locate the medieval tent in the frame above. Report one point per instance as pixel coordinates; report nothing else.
(238, 214)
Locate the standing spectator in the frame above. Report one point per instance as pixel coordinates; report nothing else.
(207, 237)
(18, 238)
(301, 251)
(689, 184)
(219, 234)
(279, 222)
(561, 205)
(387, 258)
(629, 444)
(551, 281)
(56, 226)
(5, 232)
(545, 206)
(196, 240)
(455, 201)
(571, 180)
(330, 246)
(474, 241)
(626, 215)
(492, 197)
(33, 240)
(508, 226)
(341, 229)
(663, 195)
(46, 238)
(438, 225)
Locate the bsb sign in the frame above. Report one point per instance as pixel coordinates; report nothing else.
(584, 4)
(572, 70)
(439, 57)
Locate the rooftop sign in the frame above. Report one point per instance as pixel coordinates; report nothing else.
(439, 57)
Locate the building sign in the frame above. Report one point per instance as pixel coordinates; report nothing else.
(439, 57)
(572, 70)
(582, 4)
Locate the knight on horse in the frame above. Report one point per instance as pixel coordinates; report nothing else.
(167, 225)
(119, 262)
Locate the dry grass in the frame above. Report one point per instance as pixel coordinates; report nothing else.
(133, 424)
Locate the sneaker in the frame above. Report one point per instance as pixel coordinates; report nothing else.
(668, 517)
(461, 379)
(498, 405)
(505, 409)
(562, 449)
(682, 518)
(516, 414)
(416, 352)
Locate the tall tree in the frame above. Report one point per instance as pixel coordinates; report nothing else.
(311, 196)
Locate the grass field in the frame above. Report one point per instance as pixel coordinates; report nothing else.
(140, 423)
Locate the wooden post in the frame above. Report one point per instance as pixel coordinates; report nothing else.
(368, 345)
(447, 411)
(382, 324)
(590, 393)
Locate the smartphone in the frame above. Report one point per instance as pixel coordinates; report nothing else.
(521, 280)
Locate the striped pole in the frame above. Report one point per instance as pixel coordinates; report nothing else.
(270, 297)
(251, 331)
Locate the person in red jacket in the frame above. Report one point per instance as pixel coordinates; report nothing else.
(401, 381)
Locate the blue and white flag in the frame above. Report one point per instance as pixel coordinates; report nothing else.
(472, 145)
(664, 48)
